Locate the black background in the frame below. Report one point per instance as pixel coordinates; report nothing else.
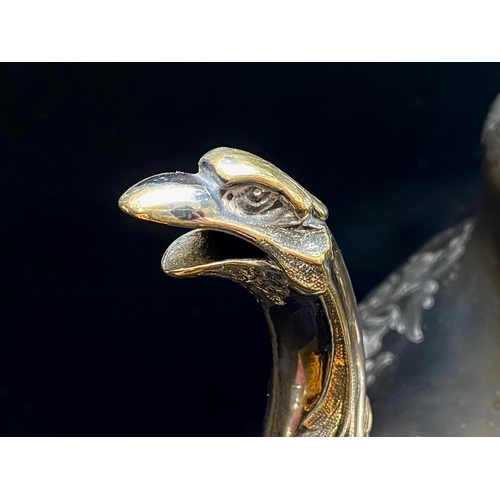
(95, 340)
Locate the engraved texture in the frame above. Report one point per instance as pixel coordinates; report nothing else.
(240, 194)
(264, 280)
(398, 303)
(328, 416)
(311, 278)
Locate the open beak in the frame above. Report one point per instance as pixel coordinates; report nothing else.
(180, 199)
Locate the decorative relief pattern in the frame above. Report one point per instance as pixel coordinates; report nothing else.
(309, 277)
(263, 279)
(398, 303)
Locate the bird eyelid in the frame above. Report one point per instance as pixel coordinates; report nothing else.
(254, 198)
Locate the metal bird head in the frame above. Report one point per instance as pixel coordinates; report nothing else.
(239, 194)
(255, 225)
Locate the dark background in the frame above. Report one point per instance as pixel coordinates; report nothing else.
(95, 340)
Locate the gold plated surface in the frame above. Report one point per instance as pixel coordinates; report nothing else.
(255, 225)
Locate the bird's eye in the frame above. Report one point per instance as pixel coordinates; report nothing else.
(258, 197)
(264, 205)
(256, 194)
(253, 199)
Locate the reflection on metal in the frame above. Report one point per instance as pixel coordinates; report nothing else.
(255, 225)
(398, 303)
(441, 375)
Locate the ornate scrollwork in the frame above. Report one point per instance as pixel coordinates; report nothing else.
(398, 303)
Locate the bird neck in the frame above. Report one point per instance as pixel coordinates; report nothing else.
(317, 386)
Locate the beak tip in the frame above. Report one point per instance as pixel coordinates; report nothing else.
(123, 204)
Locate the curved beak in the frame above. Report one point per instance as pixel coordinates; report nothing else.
(176, 198)
(184, 200)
